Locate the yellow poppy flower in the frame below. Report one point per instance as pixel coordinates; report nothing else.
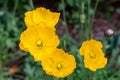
(93, 54)
(41, 16)
(59, 64)
(38, 41)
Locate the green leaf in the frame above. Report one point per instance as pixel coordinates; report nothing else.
(70, 2)
(10, 43)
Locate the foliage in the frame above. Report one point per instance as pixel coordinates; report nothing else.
(12, 24)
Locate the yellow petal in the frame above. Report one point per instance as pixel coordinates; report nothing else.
(28, 18)
(41, 16)
(22, 47)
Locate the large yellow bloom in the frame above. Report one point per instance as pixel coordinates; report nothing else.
(41, 16)
(93, 54)
(59, 64)
(39, 41)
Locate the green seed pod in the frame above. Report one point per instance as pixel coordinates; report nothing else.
(82, 18)
(108, 32)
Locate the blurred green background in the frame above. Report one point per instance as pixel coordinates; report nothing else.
(18, 65)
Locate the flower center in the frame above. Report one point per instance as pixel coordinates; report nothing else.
(59, 66)
(92, 55)
(39, 44)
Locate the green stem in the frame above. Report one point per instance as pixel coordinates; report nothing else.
(64, 17)
(82, 24)
(85, 73)
(104, 39)
(15, 6)
(83, 4)
(114, 74)
(92, 74)
(82, 33)
(86, 30)
(89, 21)
(5, 5)
(97, 1)
(1, 74)
(56, 78)
(64, 45)
(31, 4)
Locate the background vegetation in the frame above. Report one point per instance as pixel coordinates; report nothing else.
(18, 65)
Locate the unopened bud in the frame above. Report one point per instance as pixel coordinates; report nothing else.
(82, 18)
(109, 32)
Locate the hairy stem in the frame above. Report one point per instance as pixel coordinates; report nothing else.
(31, 4)
(64, 17)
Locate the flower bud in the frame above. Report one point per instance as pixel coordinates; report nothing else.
(82, 18)
(109, 32)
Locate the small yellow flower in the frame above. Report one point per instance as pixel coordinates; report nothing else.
(41, 16)
(38, 41)
(93, 54)
(59, 64)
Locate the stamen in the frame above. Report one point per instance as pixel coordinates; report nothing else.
(39, 44)
(93, 55)
(59, 66)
